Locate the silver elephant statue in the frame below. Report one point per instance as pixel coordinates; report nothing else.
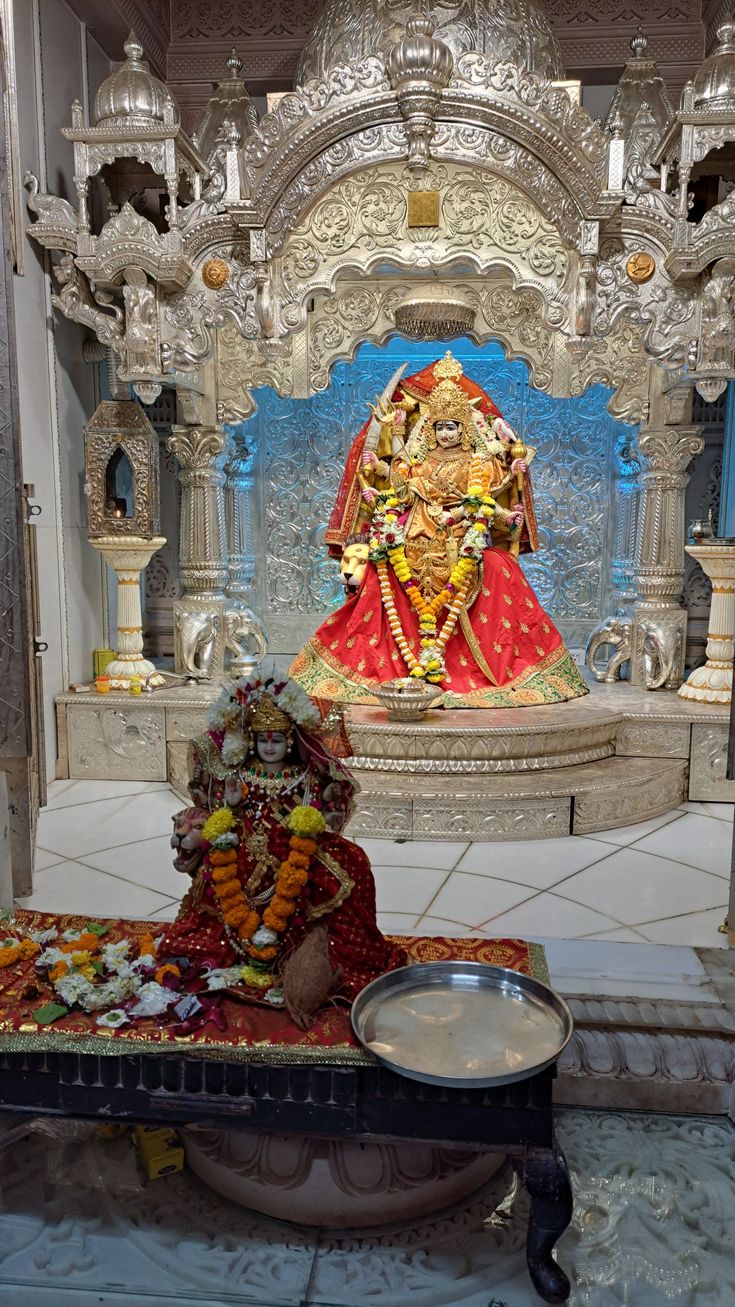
(657, 644)
(659, 647)
(245, 641)
(615, 632)
(196, 637)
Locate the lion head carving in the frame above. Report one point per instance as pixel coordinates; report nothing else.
(187, 840)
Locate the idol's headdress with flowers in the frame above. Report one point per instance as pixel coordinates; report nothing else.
(449, 402)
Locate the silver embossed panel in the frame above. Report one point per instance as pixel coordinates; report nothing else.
(115, 743)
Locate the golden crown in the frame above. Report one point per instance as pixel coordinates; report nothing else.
(449, 368)
(449, 403)
(267, 716)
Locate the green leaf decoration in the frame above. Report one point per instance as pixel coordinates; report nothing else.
(49, 1012)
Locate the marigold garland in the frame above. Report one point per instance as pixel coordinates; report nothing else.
(388, 547)
(306, 823)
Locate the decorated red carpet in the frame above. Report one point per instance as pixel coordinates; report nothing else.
(248, 1032)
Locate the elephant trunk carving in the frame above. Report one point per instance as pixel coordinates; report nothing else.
(615, 633)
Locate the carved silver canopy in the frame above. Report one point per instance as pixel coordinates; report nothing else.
(714, 84)
(346, 31)
(132, 95)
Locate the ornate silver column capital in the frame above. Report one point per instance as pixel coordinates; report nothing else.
(659, 620)
(201, 453)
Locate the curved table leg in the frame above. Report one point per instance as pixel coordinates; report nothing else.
(545, 1176)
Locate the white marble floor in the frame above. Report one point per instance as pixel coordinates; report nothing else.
(103, 848)
(653, 1226)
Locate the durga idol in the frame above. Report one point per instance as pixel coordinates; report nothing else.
(437, 486)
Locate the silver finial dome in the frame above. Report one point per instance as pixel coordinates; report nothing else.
(347, 31)
(714, 83)
(132, 96)
(229, 106)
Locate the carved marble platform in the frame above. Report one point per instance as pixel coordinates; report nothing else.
(616, 757)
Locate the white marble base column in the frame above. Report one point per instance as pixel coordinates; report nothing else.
(712, 683)
(127, 558)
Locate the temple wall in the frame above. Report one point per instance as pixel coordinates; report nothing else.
(57, 61)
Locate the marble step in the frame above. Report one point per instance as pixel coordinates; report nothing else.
(558, 801)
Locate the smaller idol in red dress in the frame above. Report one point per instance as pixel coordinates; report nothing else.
(278, 894)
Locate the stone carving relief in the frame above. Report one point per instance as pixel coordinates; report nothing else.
(114, 744)
(75, 299)
(363, 221)
(360, 311)
(348, 30)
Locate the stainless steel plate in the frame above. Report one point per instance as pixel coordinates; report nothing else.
(461, 1023)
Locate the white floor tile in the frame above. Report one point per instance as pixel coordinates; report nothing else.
(442, 854)
(76, 792)
(723, 811)
(144, 862)
(697, 841)
(44, 858)
(166, 914)
(397, 923)
(700, 929)
(629, 834)
(431, 925)
(632, 886)
(474, 899)
(406, 889)
(73, 832)
(623, 936)
(541, 863)
(546, 913)
(609, 964)
(72, 887)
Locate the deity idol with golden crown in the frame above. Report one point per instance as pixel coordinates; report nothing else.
(281, 905)
(433, 510)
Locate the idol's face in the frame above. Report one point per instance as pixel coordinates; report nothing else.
(271, 746)
(448, 433)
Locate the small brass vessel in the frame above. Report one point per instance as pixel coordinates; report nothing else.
(408, 698)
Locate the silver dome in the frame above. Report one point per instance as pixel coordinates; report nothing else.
(347, 31)
(132, 95)
(714, 84)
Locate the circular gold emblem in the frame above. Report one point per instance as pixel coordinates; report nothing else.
(215, 273)
(640, 267)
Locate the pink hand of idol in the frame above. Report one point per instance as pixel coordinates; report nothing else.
(518, 465)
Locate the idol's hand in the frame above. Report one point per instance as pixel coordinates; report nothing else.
(368, 494)
(369, 459)
(518, 465)
(517, 516)
(384, 411)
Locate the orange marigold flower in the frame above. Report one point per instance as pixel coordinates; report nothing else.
(263, 954)
(235, 916)
(302, 844)
(168, 969)
(57, 971)
(282, 907)
(273, 921)
(220, 857)
(224, 873)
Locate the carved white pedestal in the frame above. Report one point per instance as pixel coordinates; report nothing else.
(712, 683)
(128, 558)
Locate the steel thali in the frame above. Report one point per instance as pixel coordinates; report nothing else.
(463, 1024)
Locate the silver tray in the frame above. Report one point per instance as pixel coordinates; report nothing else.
(461, 1023)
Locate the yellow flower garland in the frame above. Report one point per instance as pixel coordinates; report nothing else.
(306, 824)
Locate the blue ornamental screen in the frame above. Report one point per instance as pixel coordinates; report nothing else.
(301, 446)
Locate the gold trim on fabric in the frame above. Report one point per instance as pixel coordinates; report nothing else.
(343, 879)
(473, 645)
